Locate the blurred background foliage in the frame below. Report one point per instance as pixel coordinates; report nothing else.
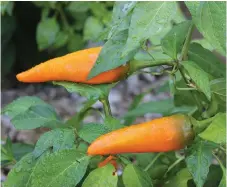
(33, 32)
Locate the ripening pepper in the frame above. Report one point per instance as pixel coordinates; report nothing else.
(73, 67)
(159, 135)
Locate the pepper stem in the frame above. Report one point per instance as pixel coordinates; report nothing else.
(200, 126)
(106, 106)
(136, 65)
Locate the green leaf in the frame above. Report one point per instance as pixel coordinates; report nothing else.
(103, 35)
(95, 161)
(8, 145)
(46, 33)
(99, 10)
(91, 131)
(215, 106)
(159, 163)
(21, 149)
(223, 180)
(134, 176)
(143, 159)
(214, 176)
(79, 25)
(199, 77)
(5, 159)
(204, 43)
(92, 28)
(75, 42)
(101, 177)
(124, 159)
(178, 18)
(21, 105)
(80, 16)
(198, 160)
(121, 9)
(74, 121)
(6, 151)
(60, 168)
(80, 6)
(136, 101)
(45, 12)
(7, 6)
(218, 88)
(107, 19)
(213, 13)
(216, 131)
(109, 3)
(148, 18)
(206, 60)
(218, 101)
(184, 109)
(36, 116)
(112, 123)
(121, 16)
(20, 174)
(150, 55)
(174, 39)
(180, 180)
(193, 7)
(61, 39)
(182, 97)
(165, 107)
(110, 55)
(83, 147)
(93, 92)
(215, 32)
(59, 139)
(45, 4)
(157, 171)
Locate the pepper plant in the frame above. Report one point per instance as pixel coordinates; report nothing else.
(142, 35)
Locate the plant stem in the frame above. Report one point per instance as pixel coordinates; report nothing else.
(76, 119)
(183, 56)
(206, 121)
(223, 149)
(92, 109)
(99, 112)
(153, 161)
(106, 106)
(199, 104)
(136, 65)
(174, 164)
(200, 126)
(220, 163)
(184, 51)
(63, 17)
(185, 89)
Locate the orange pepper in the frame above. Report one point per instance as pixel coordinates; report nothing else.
(159, 135)
(74, 67)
